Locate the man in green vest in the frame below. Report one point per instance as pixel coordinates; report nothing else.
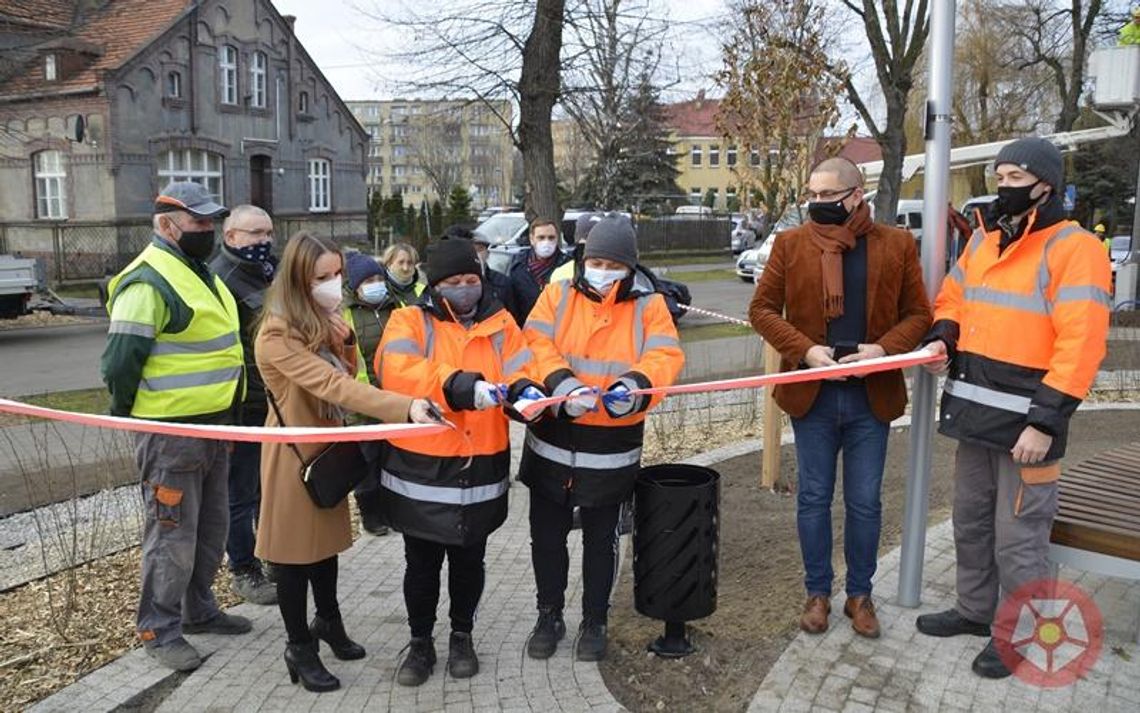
(174, 353)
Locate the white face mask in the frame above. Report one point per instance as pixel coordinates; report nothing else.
(603, 280)
(545, 248)
(328, 293)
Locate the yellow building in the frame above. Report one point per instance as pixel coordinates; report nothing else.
(705, 158)
(422, 148)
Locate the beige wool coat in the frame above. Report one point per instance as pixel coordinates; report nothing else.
(291, 529)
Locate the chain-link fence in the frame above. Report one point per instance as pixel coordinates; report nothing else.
(74, 251)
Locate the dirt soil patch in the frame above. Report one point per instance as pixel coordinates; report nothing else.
(761, 591)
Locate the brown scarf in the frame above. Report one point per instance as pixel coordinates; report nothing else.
(834, 240)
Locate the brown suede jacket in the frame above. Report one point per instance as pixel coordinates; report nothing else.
(898, 311)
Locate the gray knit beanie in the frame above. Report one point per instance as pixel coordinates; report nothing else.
(613, 238)
(1038, 156)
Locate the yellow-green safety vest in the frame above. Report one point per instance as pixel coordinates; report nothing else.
(198, 370)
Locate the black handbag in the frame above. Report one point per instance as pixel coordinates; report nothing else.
(331, 474)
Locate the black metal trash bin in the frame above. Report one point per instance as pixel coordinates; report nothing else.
(675, 549)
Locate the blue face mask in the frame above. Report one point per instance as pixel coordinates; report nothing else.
(373, 292)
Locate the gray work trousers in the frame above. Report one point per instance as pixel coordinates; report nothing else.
(184, 492)
(1001, 529)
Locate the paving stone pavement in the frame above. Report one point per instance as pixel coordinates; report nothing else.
(907, 672)
(247, 673)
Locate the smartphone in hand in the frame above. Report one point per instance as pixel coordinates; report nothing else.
(842, 349)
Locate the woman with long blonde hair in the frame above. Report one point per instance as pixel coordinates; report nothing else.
(307, 357)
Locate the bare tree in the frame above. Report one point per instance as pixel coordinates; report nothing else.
(777, 45)
(896, 38)
(437, 148)
(1054, 34)
(486, 51)
(616, 43)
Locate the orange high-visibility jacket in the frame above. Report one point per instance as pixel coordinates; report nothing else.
(1029, 327)
(450, 488)
(581, 339)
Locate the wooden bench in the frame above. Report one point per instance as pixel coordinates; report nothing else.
(1097, 528)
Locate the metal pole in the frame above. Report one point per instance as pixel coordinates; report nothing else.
(934, 217)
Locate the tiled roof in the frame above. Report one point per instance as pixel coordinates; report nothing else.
(858, 149)
(696, 117)
(120, 28)
(39, 13)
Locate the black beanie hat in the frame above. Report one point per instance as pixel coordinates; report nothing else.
(1038, 156)
(452, 257)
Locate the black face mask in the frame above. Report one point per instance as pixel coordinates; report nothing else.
(1014, 200)
(195, 244)
(830, 212)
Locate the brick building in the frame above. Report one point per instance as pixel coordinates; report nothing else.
(102, 102)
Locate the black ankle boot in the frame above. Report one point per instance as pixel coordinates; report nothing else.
(461, 659)
(420, 662)
(331, 631)
(304, 663)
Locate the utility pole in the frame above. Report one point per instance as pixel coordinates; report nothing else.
(934, 220)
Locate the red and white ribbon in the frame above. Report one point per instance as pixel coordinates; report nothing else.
(855, 368)
(259, 434)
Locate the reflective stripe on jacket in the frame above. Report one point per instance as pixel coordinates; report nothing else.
(1032, 325)
(579, 339)
(199, 369)
(450, 488)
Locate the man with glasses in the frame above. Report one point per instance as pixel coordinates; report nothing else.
(852, 290)
(246, 265)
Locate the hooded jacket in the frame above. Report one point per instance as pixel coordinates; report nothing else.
(452, 488)
(580, 338)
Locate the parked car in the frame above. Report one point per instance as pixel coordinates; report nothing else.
(1119, 253)
(743, 235)
(508, 234)
(978, 203)
(750, 265)
(909, 216)
(694, 211)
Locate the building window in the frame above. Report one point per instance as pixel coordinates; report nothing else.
(227, 66)
(730, 156)
(50, 69)
(754, 157)
(257, 80)
(202, 167)
(318, 185)
(51, 178)
(174, 85)
(714, 155)
(374, 150)
(696, 154)
(303, 102)
(695, 195)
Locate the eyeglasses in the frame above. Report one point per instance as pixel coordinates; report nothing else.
(828, 196)
(258, 233)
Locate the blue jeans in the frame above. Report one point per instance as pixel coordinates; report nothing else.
(840, 419)
(245, 500)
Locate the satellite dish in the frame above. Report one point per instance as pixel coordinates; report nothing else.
(80, 128)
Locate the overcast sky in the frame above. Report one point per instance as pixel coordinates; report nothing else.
(334, 32)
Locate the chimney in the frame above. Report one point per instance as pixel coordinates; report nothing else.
(700, 97)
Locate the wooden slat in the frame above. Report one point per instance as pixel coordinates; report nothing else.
(1099, 504)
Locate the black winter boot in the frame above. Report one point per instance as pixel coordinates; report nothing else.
(419, 663)
(548, 631)
(950, 623)
(331, 631)
(461, 659)
(591, 644)
(304, 664)
(988, 663)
